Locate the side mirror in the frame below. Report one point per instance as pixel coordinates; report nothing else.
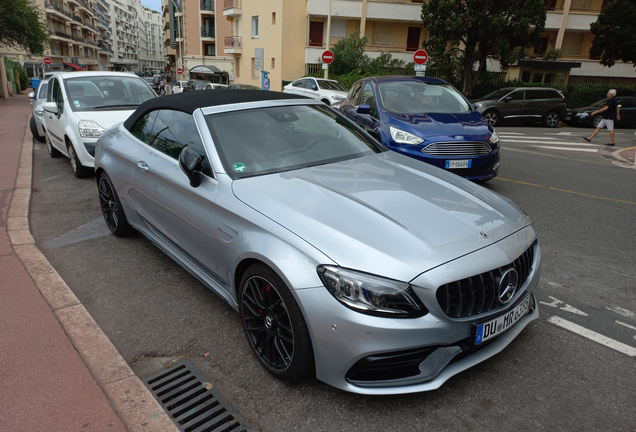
(507, 98)
(50, 107)
(363, 109)
(32, 95)
(190, 163)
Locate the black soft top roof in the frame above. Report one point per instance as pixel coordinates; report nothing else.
(189, 102)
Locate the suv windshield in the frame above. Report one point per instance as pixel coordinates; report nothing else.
(285, 138)
(331, 85)
(101, 92)
(419, 97)
(599, 103)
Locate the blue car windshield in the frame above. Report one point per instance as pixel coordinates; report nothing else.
(421, 98)
(277, 139)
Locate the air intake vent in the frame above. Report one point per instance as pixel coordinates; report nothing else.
(193, 403)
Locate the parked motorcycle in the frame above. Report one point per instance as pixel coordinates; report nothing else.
(159, 87)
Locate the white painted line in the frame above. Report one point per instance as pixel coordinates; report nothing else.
(621, 311)
(518, 140)
(568, 149)
(625, 325)
(573, 310)
(510, 133)
(533, 137)
(555, 302)
(593, 336)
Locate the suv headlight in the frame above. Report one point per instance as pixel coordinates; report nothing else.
(401, 137)
(371, 294)
(90, 129)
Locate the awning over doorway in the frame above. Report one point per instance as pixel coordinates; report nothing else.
(74, 66)
(206, 69)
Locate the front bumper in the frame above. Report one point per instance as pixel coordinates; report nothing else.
(435, 347)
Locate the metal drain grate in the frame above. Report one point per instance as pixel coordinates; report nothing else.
(193, 403)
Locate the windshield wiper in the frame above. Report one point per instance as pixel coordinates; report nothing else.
(115, 106)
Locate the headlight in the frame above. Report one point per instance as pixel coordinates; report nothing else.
(480, 104)
(527, 216)
(90, 129)
(39, 113)
(401, 137)
(337, 97)
(583, 114)
(494, 138)
(370, 294)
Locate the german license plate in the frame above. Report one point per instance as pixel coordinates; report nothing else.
(497, 326)
(464, 163)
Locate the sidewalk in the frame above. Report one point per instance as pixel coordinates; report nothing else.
(59, 371)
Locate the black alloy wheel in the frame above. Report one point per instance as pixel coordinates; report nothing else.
(111, 207)
(274, 325)
(491, 117)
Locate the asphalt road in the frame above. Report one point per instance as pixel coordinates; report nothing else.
(572, 369)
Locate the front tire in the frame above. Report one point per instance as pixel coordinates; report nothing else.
(491, 117)
(552, 119)
(34, 130)
(53, 152)
(111, 207)
(79, 170)
(274, 325)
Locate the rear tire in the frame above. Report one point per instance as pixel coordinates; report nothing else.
(552, 119)
(53, 152)
(34, 130)
(79, 170)
(111, 207)
(491, 117)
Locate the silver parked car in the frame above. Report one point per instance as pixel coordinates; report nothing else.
(377, 272)
(38, 98)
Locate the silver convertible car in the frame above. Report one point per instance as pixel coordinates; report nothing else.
(377, 272)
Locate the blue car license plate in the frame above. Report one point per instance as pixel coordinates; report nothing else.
(463, 163)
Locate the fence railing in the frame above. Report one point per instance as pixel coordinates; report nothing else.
(207, 5)
(232, 41)
(207, 32)
(227, 4)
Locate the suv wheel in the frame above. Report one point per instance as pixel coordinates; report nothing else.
(552, 119)
(491, 117)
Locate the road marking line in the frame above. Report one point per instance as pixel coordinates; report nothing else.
(518, 140)
(593, 336)
(567, 191)
(531, 137)
(555, 302)
(569, 149)
(573, 310)
(510, 133)
(625, 325)
(621, 311)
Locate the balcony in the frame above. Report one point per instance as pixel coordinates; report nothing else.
(56, 8)
(232, 45)
(232, 8)
(207, 32)
(207, 6)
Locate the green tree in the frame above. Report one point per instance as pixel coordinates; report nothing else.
(348, 55)
(468, 31)
(22, 25)
(615, 29)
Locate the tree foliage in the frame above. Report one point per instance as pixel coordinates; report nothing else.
(463, 32)
(22, 25)
(348, 55)
(615, 29)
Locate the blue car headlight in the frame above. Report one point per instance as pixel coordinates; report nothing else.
(401, 137)
(371, 294)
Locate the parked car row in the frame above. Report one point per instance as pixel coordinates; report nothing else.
(363, 266)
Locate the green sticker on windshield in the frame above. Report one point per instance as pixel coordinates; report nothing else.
(239, 167)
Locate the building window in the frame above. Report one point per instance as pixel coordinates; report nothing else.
(572, 43)
(255, 26)
(273, 63)
(382, 33)
(581, 5)
(209, 49)
(273, 18)
(338, 28)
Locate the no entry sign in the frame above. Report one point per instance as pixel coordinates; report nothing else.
(420, 57)
(327, 57)
(179, 71)
(47, 61)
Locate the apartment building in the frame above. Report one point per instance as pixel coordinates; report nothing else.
(97, 35)
(191, 34)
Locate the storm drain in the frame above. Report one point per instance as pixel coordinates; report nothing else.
(193, 403)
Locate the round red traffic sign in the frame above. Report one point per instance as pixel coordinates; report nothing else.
(327, 57)
(47, 61)
(179, 71)
(420, 57)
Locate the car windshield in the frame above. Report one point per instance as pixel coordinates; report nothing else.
(285, 138)
(200, 84)
(331, 85)
(106, 92)
(496, 95)
(599, 103)
(419, 97)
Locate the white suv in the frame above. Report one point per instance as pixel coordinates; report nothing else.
(81, 106)
(328, 91)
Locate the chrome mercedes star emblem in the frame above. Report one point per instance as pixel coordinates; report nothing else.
(508, 285)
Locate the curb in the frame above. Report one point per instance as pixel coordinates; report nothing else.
(137, 408)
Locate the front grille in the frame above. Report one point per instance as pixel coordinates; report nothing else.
(457, 149)
(479, 294)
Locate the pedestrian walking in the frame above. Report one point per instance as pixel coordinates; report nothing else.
(611, 113)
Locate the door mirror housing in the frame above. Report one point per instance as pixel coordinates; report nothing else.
(363, 109)
(507, 98)
(50, 107)
(190, 163)
(32, 95)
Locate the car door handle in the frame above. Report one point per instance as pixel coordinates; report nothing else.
(143, 166)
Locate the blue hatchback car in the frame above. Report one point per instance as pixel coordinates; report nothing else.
(427, 119)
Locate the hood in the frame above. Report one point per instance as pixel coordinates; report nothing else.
(105, 119)
(385, 214)
(469, 125)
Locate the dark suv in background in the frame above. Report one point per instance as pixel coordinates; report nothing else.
(525, 104)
